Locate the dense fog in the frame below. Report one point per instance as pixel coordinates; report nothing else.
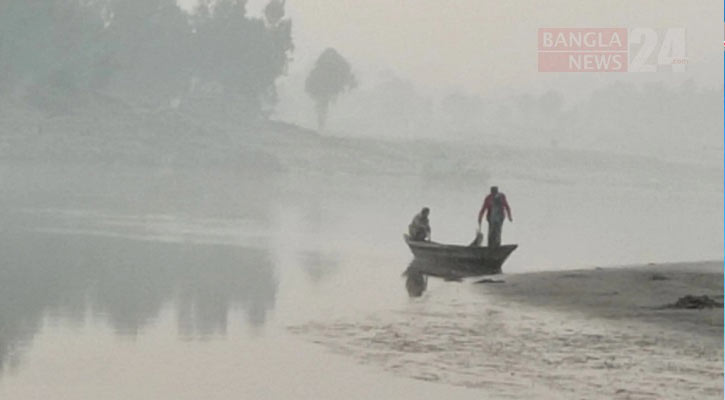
(218, 61)
(211, 156)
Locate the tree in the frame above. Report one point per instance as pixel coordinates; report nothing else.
(244, 55)
(56, 44)
(274, 12)
(149, 51)
(330, 77)
(152, 49)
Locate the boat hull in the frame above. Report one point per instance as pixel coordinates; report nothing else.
(451, 261)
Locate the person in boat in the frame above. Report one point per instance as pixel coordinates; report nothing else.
(493, 208)
(419, 228)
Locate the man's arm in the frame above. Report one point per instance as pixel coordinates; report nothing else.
(486, 205)
(507, 208)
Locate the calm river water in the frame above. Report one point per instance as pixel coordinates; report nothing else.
(137, 284)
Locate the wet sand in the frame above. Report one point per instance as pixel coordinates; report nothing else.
(638, 293)
(583, 334)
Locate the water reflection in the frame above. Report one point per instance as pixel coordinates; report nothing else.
(416, 282)
(318, 266)
(127, 283)
(418, 271)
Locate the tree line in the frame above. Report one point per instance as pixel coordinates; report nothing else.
(147, 50)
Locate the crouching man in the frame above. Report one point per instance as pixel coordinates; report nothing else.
(419, 228)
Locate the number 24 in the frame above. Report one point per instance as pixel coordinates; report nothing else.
(672, 51)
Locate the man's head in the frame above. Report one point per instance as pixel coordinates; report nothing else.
(425, 211)
(494, 189)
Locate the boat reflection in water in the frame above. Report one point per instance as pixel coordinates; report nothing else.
(451, 262)
(416, 281)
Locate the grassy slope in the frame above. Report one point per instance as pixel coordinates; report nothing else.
(103, 130)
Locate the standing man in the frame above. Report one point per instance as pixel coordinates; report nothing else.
(495, 204)
(419, 228)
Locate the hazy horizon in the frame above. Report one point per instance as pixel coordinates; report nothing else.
(218, 202)
(477, 47)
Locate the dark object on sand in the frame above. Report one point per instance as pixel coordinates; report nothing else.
(659, 277)
(695, 302)
(445, 260)
(486, 280)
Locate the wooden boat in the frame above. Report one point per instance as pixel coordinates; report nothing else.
(455, 262)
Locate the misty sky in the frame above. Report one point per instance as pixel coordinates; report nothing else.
(476, 46)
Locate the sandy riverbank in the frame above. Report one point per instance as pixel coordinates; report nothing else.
(640, 293)
(585, 334)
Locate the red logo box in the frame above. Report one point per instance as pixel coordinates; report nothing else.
(583, 50)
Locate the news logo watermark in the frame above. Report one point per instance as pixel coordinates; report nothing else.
(612, 50)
